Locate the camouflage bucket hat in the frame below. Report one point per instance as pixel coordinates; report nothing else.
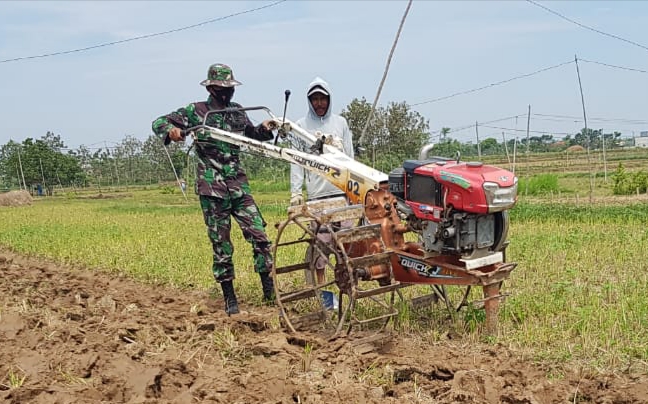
(220, 75)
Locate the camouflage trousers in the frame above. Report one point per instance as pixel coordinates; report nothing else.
(217, 212)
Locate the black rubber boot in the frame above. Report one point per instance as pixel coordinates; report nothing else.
(267, 284)
(231, 305)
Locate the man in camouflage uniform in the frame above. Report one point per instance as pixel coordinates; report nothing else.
(221, 181)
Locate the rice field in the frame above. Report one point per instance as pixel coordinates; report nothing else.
(577, 295)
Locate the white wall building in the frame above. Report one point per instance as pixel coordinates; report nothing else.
(642, 140)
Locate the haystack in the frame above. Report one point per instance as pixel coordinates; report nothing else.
(15, 198)
(575, 149)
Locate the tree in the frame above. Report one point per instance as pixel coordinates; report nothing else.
(612, 140)
(53, 141)
(42, 163)
(490, 146)
(156, 159)
(10, 164)
(444, 133)
(395, 133)
(407, 129)
(356, 114)
(589, 137)
(447, 148)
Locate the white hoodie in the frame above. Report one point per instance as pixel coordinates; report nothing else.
(330, 124)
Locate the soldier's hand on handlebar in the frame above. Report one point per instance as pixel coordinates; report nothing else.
(176, 134)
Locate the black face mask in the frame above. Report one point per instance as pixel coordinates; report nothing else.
(223, 95)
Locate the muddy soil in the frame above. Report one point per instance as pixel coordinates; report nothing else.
(70, 335)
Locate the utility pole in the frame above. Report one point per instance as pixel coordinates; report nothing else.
(506, 149)
(604, 159)
(478, 144)
(22, 173)
(526, 187)
(115, 164)
(589, 135)
(59, 181)
(515, 142)
(42, 173)
(18, 176)
(527, 132)
(384, 77)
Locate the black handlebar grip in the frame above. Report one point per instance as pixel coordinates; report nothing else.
(167, 139)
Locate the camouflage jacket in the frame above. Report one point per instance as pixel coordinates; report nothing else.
(219, 171)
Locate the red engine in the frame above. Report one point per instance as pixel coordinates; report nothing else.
(455, 207)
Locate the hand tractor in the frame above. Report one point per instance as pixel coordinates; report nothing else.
(435, 223)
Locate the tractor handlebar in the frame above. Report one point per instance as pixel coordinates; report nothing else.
(185, 132)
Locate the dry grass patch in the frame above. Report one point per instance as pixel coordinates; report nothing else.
(15, 198)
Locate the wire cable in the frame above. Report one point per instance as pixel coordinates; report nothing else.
(614, 66)
(547, 132)
(382, 81)
(587, 27)
(472, 125)
(493, 84)
(142, 36)
(175, 173)
(623, 120)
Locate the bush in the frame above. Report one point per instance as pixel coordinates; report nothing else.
(540, 184)
(626, 183)
(167, 189)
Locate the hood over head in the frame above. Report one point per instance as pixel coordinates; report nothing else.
(319, 85)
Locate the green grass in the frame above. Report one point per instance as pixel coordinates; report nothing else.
(579, 290)
(540, 184)
(149, 235)
(578, 293)
(559, 214)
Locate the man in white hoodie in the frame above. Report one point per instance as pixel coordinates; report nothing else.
(319, 118)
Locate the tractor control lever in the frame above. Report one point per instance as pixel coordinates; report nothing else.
(282, 131)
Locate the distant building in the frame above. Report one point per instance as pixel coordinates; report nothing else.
(643, 133)
(642, 140)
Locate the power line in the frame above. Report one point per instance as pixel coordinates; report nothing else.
(485, 125)
(585, 26)
(472, 125)
(614, 66)
(469, 126)
(624, 120)
(524, 130)
(142, 36)
(493, 84)
(561, 120)
(523, 76)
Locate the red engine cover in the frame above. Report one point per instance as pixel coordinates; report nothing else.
(463, 186)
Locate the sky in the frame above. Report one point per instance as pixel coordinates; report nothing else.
(99, 96)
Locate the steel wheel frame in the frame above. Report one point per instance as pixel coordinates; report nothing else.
(315, 243)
